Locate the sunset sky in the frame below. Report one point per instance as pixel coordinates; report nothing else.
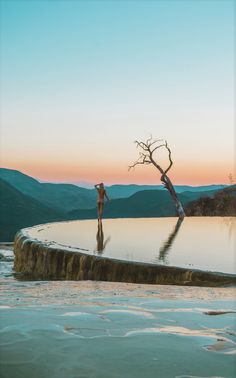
(81, 80)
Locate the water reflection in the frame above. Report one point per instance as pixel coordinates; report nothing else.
(163, 251)
(101, 245)
(230, 223)
(202, 242)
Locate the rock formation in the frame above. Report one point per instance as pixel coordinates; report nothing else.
(41, 261)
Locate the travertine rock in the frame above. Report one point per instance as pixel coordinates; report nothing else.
(36, 260)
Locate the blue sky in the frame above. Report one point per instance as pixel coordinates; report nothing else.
(95, 75)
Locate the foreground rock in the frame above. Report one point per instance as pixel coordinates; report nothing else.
(42, 261)
(74, 329)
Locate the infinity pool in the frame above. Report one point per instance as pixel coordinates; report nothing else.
(206, 243)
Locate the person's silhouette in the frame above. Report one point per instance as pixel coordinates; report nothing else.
(101, 196)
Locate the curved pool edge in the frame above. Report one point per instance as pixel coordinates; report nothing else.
(35, 260)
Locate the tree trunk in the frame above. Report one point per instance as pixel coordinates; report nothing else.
(168, 185)
(147, 158)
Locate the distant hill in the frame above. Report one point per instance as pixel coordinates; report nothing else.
(68, 197)
(25, 201)
(124, 191)
(18, 211)
(147, 203)
(142, 204)
(223, 203)
(63, 197)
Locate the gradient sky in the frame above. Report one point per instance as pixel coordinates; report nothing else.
(81, 80)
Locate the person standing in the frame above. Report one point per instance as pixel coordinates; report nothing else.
(101, 198)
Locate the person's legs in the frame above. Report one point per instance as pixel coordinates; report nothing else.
(100, 210)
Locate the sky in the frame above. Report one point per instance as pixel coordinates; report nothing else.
(82, 80)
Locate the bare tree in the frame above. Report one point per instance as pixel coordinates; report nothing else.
(146, 156)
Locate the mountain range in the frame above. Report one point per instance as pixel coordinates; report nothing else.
(18, 211)
(146, 203)
(63, 197)
(24, 201)
(124, 191)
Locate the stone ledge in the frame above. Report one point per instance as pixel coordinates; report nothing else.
(35, 260)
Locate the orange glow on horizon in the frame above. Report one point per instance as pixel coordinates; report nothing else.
(189, 174)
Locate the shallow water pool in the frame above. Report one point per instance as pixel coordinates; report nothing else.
(206, 243)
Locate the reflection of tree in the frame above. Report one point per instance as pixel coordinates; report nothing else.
(101, 245)
(230, 223)
(168, 243)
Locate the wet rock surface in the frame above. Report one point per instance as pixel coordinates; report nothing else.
(97, 329)
(44, 261)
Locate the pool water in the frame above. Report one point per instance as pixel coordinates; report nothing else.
(206, 243)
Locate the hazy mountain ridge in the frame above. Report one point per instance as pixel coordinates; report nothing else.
(140, 204)
(18, 211)
(63, 197)
(123, 191)
(67, 197)
(146, 203)
(26, 202)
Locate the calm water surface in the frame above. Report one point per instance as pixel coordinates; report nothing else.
(200, 242)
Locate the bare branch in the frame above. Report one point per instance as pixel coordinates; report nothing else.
(170, 159)
(145, 160)
(155, 141)
(142, 154)
(157, 165)
(146, 157)
(142, 145)
(161, 145)
(148, 154)
(139, 163)
(149, 139)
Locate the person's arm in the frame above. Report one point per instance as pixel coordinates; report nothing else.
(96, 186)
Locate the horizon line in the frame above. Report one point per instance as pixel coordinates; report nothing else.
(89, 185)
